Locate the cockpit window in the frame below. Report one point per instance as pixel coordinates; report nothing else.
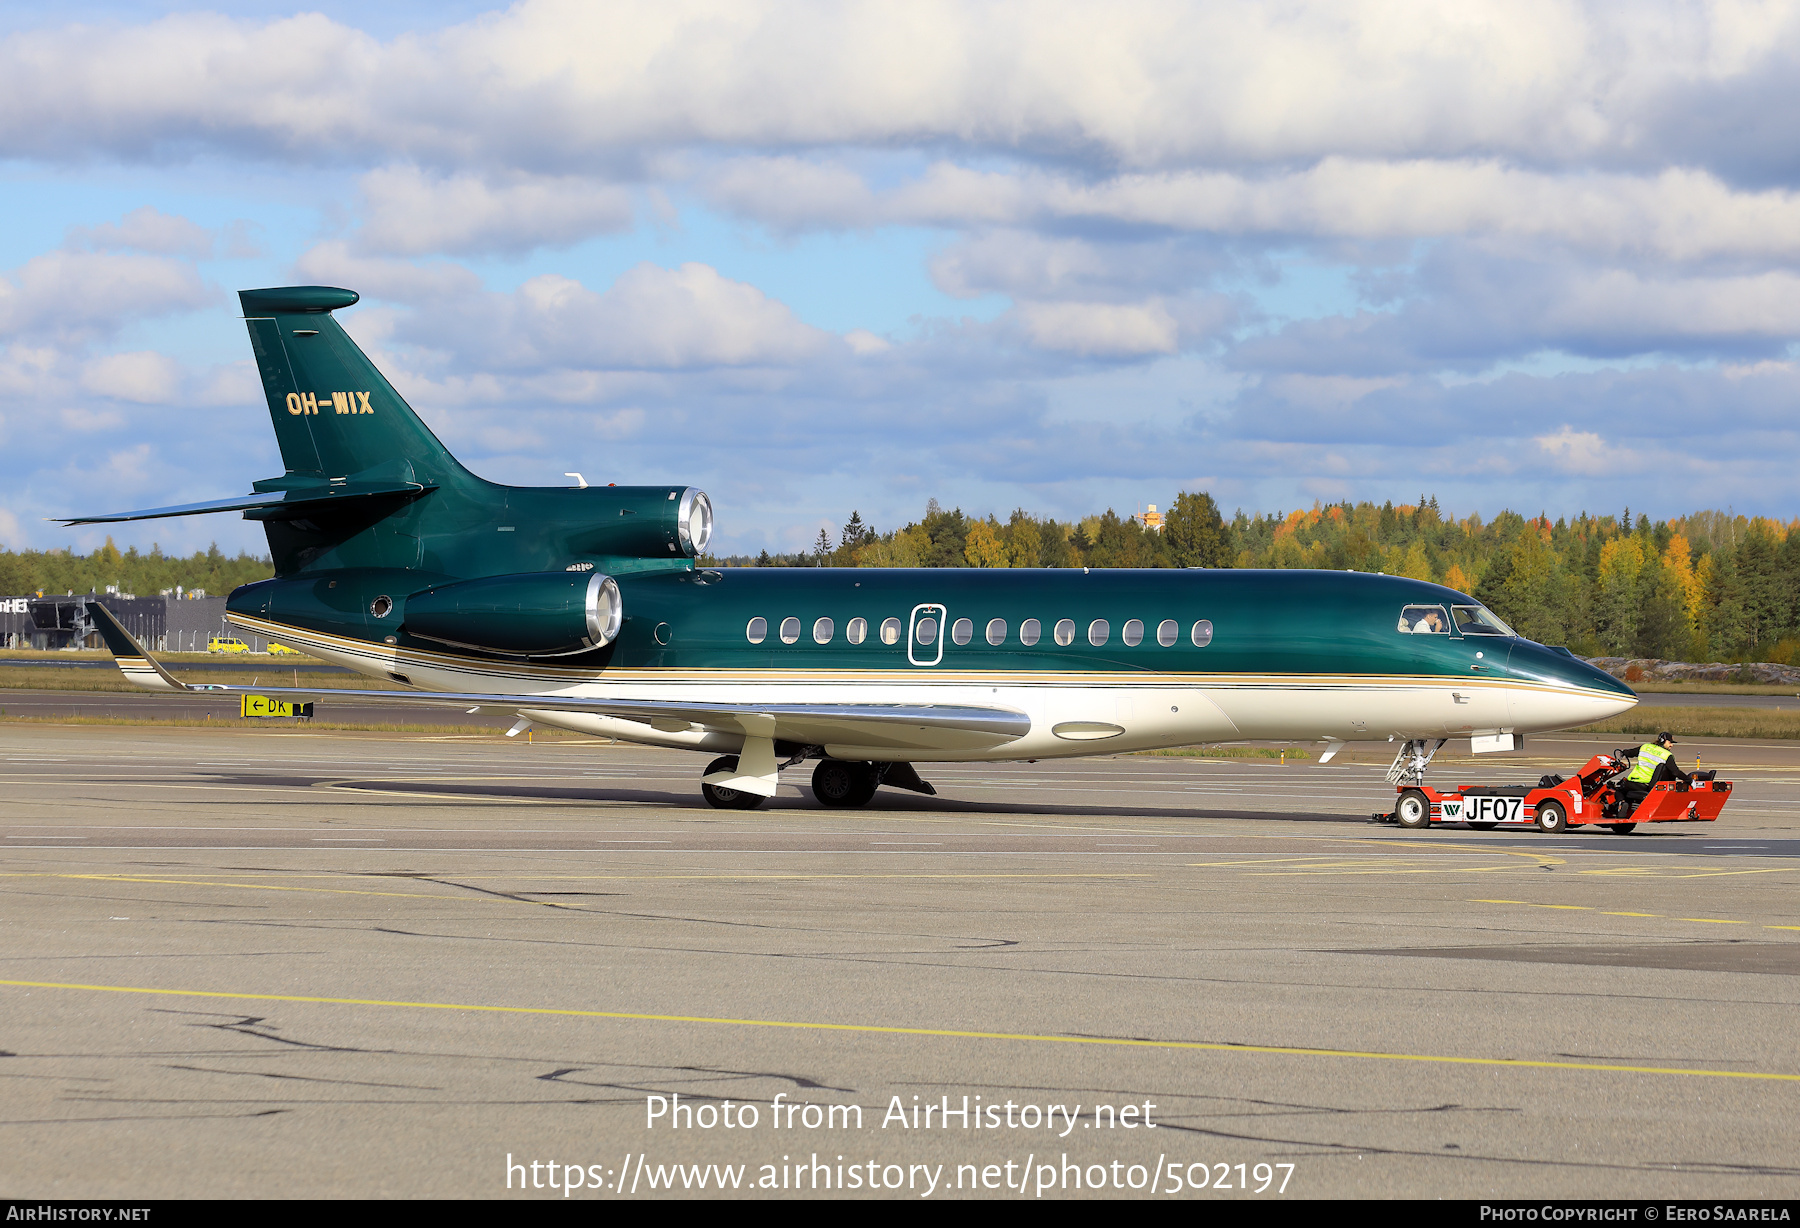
(1424, 620)
(1479, 620)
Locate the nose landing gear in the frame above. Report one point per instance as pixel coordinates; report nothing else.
(1409, 764)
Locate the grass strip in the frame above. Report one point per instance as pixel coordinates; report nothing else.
(1755, 723)
(1647, 687)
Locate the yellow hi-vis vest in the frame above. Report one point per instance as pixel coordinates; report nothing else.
(1650, 756)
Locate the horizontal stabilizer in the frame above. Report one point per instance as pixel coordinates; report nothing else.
(274, 504)
(896, 727)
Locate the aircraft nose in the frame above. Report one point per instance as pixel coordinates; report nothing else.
(1564, 691)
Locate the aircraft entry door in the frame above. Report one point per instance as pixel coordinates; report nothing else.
(925, 637)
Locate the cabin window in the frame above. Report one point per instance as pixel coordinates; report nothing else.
(790, 630)
(1132, 633)
(1099, 631)
(1478, 620)
(823, 630)
(1065, 632)
(1202, 633)
(1030, 632)
(996, 631)
(757, 631)
(962, 631)
(1167, 632)
(857, 631)
(1424, 620)
(925, 630)
(890, 631)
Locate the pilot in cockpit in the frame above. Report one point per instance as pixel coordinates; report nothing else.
(1422, 620)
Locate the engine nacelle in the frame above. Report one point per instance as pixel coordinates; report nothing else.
(538, 614)
(647, 522)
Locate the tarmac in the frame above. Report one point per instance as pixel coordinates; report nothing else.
(301, 963)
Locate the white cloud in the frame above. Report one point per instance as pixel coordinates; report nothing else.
(1504, 182)
(87, 421)
(1585, 452)
(620, 424)
(1626, 304)
(792, 193)
(652, 318)
(408, 212)
(28, 371)
(147, 229)
(83, 293)
(1101, 330)
(333, 263)
(1135, 85)
(1328, 393)
(863, 342)
(143, 376)
(228, 384)
(1675, 214)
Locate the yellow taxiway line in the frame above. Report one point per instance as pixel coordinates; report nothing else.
(1121, 1042)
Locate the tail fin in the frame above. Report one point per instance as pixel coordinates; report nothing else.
(335, 415)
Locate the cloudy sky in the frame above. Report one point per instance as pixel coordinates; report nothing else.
(816, 257)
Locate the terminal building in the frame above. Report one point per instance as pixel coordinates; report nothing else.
(168, 623)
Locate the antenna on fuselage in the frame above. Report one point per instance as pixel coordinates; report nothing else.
(581, 482)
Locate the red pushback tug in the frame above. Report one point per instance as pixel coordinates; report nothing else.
(1556, 804)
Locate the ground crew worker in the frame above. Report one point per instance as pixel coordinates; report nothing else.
(1654, 763)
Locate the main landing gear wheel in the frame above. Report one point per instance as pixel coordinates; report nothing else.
(839, 784)
(1551, 817)
(1413, 810)
(1621, 829)
(723, 798)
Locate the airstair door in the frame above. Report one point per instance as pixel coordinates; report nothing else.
(925, 636)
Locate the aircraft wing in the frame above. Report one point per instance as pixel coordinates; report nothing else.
(896, 727)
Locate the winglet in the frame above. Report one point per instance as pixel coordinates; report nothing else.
(136, 664)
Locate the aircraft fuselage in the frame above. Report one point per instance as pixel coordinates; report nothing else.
(1280, 655)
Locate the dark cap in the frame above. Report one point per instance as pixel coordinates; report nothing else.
(1666, 736)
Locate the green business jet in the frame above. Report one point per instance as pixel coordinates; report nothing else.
(584, 608)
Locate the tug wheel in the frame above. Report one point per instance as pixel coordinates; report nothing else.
(1413, 810)
(722, 798)
(1551, 817)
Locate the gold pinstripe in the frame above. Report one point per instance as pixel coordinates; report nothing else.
(387, 658)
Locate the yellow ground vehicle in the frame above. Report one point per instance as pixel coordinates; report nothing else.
(225, 643)
(282, 650)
